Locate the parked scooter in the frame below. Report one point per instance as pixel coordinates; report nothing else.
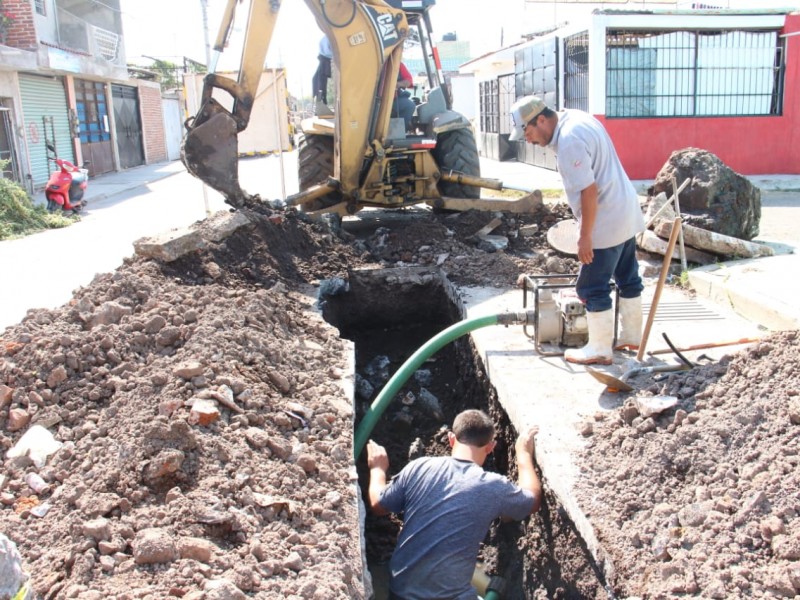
(66, 187)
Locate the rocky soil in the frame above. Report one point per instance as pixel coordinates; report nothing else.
(204, 414)
(703, 500)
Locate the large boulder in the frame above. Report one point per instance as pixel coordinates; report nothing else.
(717, 199)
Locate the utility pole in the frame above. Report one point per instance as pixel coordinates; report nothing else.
(204, 7)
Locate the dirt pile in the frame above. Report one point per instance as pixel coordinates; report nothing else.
(205, 412)
(205, 419)
(703, 500)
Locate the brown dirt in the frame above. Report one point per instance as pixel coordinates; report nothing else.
(144, 502)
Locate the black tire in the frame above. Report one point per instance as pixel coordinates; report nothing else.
(315, 166)
(457, 151)
(52, 206)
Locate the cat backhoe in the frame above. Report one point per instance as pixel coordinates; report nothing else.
(359, 156)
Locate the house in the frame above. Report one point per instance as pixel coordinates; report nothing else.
(727, 81)
(64, 82)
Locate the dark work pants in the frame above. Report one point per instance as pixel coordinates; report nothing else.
(319, 84)
(618, 262)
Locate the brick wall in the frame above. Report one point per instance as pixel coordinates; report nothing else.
(153, 136)
(22, 31)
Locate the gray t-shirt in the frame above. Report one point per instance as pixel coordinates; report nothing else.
(449, 505)
(585, 156)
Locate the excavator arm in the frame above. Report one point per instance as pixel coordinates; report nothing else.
(366, 37)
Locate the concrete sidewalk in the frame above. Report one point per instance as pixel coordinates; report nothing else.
(110, 184)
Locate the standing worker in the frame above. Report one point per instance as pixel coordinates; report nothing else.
(319, 83)
(403, 105)
(449, 503)
(604, 202)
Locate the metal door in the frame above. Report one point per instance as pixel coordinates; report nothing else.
(536, 72)
(173, 127)
(95, 132)
(128, 126)
(8, 148)
(44, 98)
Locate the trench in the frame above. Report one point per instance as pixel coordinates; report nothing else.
(388, 314)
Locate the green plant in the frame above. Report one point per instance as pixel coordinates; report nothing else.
(6, 17)
(18, 215)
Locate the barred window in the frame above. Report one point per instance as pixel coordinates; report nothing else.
(694, 73)
(490, 118)
(40, 7)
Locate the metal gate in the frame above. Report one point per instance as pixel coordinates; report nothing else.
(95, 133)
(128, 126)
(44, 98)
(536, 72)
(8, 148)
(173, 127)
(576, 71)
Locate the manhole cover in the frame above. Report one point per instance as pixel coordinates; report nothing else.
(563, 236)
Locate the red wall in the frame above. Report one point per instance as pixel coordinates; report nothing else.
(748, 145)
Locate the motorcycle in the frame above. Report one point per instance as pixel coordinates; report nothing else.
(65, 188)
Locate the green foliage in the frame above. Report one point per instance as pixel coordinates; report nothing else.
(18, 215)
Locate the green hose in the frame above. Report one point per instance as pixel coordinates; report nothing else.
(433, 345)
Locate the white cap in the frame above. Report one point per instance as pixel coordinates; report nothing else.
(523, 111)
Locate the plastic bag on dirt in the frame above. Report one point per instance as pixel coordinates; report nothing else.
(14, 582)
(37, 444)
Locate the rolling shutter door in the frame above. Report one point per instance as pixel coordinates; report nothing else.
(44, 97)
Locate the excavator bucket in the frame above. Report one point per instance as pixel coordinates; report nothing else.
(210, 152)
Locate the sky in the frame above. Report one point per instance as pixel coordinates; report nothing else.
(172, 29)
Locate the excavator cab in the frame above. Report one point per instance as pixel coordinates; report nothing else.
(356, 158)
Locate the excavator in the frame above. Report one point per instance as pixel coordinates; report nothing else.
(361, 156)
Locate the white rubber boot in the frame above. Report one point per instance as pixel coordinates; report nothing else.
(630, 324)
(601, 334)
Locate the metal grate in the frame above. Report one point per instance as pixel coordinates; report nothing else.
(41, 7)
(694, 73)
(576, 71)
(490, 112)
(106, 42)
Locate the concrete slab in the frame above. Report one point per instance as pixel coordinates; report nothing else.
(560, 397)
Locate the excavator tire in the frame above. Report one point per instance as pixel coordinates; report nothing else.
(457, 151)
(315, 160)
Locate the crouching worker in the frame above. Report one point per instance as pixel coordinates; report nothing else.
(449, 503)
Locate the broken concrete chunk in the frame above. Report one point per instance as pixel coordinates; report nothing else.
(170, 246)
(204, 412)
(152, 546)
(37, 444)
(109, 313)
(647, 406)
(717, 243)
(188, 369)
(223, 224)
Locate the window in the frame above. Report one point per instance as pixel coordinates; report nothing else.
(490, 119)
(41, 8)
(694, 73)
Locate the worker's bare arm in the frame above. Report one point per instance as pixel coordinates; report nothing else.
(528, 478)
(378, 462)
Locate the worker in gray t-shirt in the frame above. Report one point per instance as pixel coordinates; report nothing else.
(604, 202)
(449, 504)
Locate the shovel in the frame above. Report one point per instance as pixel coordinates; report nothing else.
(620, 384)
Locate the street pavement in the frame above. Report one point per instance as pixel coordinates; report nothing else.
(42, 270)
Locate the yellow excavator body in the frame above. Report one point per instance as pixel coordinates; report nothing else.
(348, 161)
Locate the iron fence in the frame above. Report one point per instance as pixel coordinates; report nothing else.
(694, 73)
(576, 71)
